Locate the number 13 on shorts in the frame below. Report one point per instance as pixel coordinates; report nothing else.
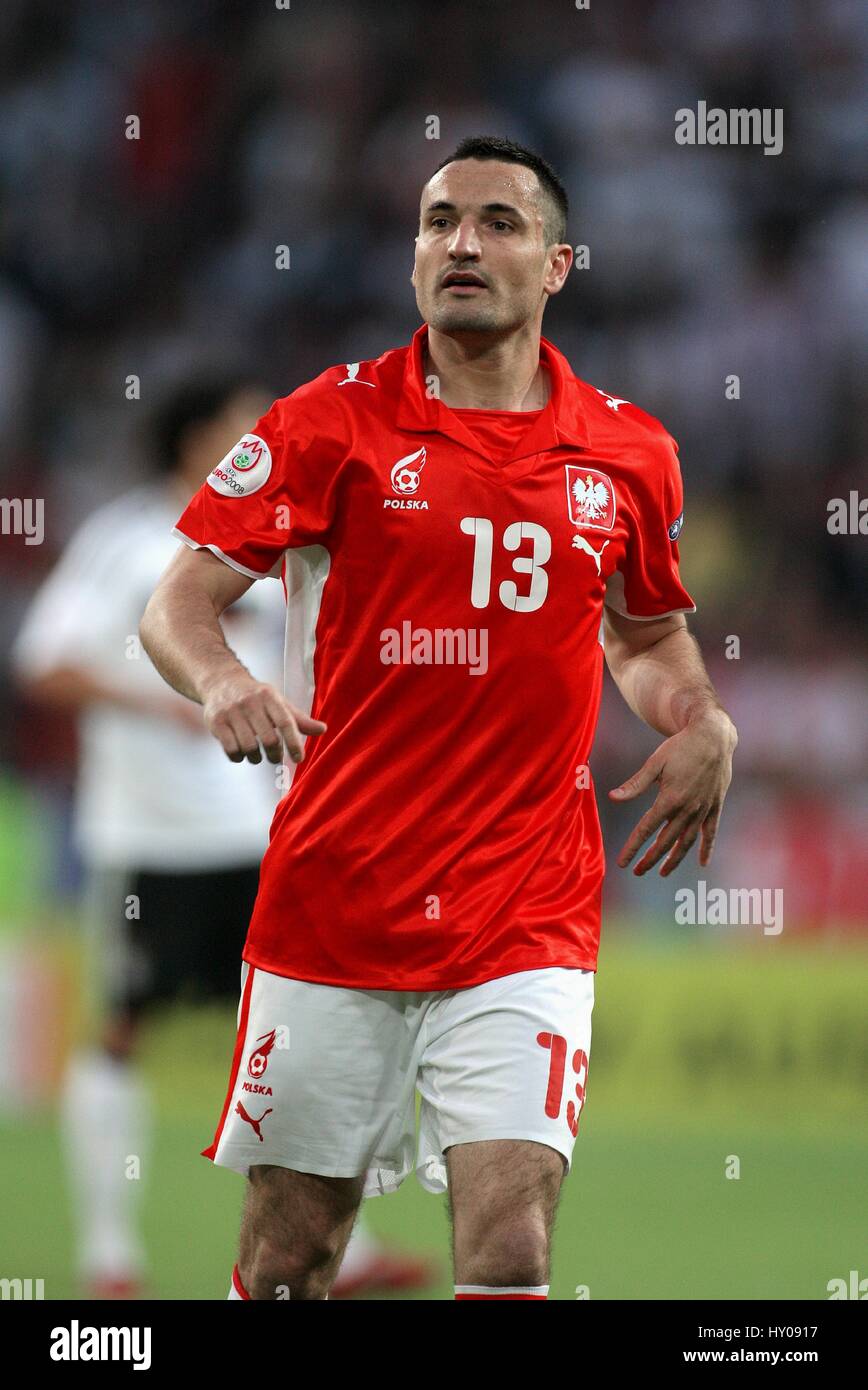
(557, 1046)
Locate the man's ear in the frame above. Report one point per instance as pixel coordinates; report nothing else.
(561, 265)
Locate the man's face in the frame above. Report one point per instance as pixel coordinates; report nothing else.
(482, 265)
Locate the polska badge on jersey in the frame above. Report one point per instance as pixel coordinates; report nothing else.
(590, 497)
(674, 531)
(245, 468)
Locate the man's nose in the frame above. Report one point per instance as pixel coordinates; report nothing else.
(465, 242)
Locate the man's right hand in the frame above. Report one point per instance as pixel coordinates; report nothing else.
(242, 713)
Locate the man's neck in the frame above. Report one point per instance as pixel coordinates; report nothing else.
(505, 375)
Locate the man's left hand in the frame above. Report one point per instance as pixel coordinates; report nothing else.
(694, 769)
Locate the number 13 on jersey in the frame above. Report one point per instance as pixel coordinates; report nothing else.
(482, 531)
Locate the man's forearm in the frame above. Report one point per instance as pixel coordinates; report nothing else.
(667, 684)
(181, 633)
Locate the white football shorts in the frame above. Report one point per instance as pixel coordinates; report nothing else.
(323, 1078)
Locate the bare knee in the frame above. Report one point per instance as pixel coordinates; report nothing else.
(505, 1250)
(294, 1232)
(303, 1271)
(504, 1195)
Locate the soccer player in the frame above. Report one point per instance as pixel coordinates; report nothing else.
(170, 834)
(463, 530)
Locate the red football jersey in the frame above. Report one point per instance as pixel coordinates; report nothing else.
(443, 618)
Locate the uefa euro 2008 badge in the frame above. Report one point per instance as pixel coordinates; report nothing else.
(245, 468)
(590, 497)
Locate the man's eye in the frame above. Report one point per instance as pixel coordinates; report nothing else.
(438, 222)
(498, 224)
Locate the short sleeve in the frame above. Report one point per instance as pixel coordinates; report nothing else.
(271, 492)
(647, 584)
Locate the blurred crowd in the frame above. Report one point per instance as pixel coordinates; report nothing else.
(308, 127)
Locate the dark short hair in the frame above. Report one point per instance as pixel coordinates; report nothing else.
(493, 147)
(190, 403)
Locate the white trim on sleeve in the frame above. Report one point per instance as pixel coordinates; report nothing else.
(227, 559)
(649, 617)
(614, 599)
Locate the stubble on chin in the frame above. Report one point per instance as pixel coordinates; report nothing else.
(458, 321)
(456, 317)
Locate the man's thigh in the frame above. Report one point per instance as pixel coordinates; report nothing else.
(506, 1060)
(322, 1082)
(502, 1185)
